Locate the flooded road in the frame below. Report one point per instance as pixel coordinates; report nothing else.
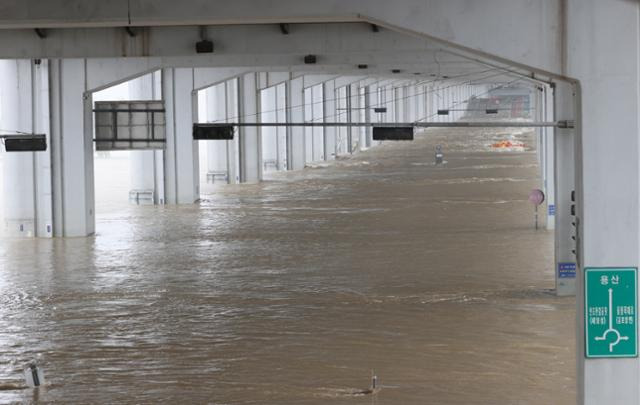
(294, 290)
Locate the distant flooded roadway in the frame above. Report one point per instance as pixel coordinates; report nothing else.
(296, 290)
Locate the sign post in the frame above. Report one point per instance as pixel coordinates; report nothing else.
(610, 312)
(536, 197)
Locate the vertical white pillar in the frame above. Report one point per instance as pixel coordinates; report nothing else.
(250, 142)
(549, 179)
(269, 135)
(308, 131)
(416, 103)
(389, 96)
(370, 95)
(71, 149)
(27, 175)
(216, 111)
(330, 114)
(233, 146)
(407, 98)
(398, 103)
(428, 102)
(564, 165)
(295, 135)
(15, 113)
(317, 107)
(608, 172)
(362, 117)
(352, 116)
(145, 166)
(182, 182)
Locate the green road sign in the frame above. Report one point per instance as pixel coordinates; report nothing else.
(610, 312)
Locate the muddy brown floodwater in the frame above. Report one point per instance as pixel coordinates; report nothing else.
(292, 291)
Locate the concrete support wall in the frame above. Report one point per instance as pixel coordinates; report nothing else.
(604, 56)
(182, 182)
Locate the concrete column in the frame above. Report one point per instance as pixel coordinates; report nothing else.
(352, 105)
(358, 134)
(71, 148)
(250, 142)
(342, 133)
(370, 95)
(398, 102)
(269, 135)
(608, 171)
(416, 103)
(428, 101)
(295, 135)
(384, 102)
(146, 167)
(233, 146)
(409, 102)
(317, 115)
(539, 134)
(182, 182)
(549, 160)
(437, 102)
(434, 102)
(281, 132)
(27, 175)
(362, 117)
(564, 142)
(330, 114)
(216, 111)
(308, 131)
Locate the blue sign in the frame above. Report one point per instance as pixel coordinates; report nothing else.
(552, 209)
(566, 270)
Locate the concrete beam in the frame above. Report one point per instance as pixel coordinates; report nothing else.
(458, 23)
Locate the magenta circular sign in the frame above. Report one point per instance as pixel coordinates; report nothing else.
(536, 197)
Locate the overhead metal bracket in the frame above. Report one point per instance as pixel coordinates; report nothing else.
(566, 124)
(131, 31)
